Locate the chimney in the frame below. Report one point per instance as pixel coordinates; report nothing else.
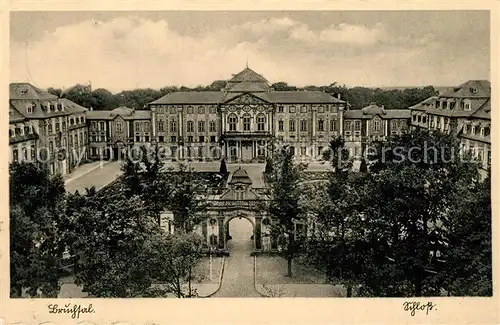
(338, 96)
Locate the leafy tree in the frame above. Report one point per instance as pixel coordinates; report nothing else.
(411, 200)
(146, 178)
(338, 156)
(284, 203)
(55, 91)
(80, 94)
(281, 86)
(36, 248)
(175, 256)
(217, 85)
(467, 269)
(109, 232)
(104, 99)
(188, 197)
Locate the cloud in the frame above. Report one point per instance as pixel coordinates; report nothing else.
(130, 51)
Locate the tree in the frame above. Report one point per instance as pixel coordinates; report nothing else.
(411, 201)
(217, 85)
(188, 197)
(467, 269)
(282, 86)
(147, 179)
(108, 232)
(338, 156)
(36, 247)
(55, 91)
(81, 95)
(104, 99)
(175, 256)
(284, 203)
(223, 168)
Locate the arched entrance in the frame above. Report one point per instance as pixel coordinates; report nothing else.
(239, 235)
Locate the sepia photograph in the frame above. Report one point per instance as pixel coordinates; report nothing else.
(264, 154)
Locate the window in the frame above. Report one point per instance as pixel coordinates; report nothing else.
(161, 138)
(49, 128)
(246, 123)
(357, 125)
(303, 125)
(161, 126)
(302, 151)
(15, 155)
(232, 123)
(424, 119)
(190, 126)
(190, 138)
(321, 126)
(212, 126)
(119, 127)
(477, 130)
(201, 126)
(291, 125)
(467, 106)
(280, 109)
(280, 126)
(347, 125)
(376, 125)
(202, 139)
(173, 126)
(30, 108)
(173, 139)
(212, 138)
(332, 125)
(147, 127)
(57, 126)
(320, 151)
(146, 138)
(292, 109)
(303, 109)
(137, 138)
(213, 109)
(414, 117)
(190, 110)
(321, 109)
(419, 118)
(26, 130)
(201, 110)
(51, 147)
(489, 157)
(486, 131)
(261, 122)
(102, 126)
(33, 153)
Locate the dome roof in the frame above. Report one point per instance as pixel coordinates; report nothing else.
(373, 109)
(240, 177)
(122, 110)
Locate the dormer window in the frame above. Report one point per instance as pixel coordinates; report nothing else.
(473, 90)
(477, 130)
(467, 106)
(24, 91)
(60, 107)
(486, 131)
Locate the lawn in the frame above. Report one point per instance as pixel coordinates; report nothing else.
(273, 269)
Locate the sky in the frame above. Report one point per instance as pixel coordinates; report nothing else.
(127, 50)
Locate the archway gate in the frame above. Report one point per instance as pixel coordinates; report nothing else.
(215, 228)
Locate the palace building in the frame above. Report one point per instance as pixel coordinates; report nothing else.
(464, 111)
(239, 121)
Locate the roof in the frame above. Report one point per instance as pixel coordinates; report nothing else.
(72, 107)
(470, 89)
(240, 176)
(484, 111)
(247, 86)
(476, 103)
(371, 110)
(191, 97)
(14, 115)
(247, 74)
(125, 112)
(423, 105)
(309, 97)
(24, 90)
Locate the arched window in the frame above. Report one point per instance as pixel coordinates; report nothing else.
(232, 122)
(261, 123)
(189, 126)
(246, 122)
